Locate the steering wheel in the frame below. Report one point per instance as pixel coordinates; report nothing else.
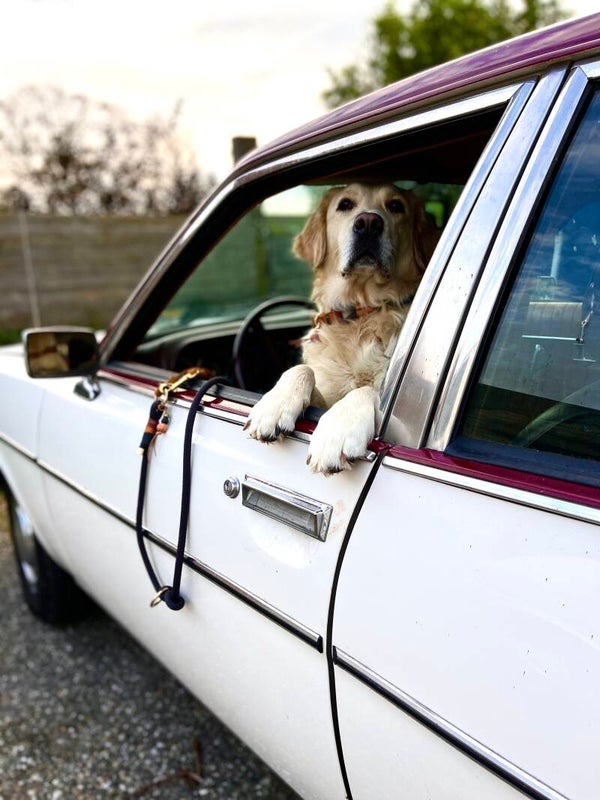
(577, 404)
(258, 357)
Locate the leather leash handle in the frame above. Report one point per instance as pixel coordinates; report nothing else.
(170, 595)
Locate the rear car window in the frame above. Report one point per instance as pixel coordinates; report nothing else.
(539, 386)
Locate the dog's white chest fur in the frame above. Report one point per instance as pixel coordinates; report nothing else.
(347, 355)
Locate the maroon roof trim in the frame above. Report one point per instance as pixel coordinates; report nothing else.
(527, 54)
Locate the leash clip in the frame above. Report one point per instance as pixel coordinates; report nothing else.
(165, 389)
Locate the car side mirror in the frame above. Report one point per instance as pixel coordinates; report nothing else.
(60, 352)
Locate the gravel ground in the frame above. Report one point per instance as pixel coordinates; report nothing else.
(86, 713)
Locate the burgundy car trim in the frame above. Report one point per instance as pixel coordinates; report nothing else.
(534, 484)
(520, 56)
(147, 385)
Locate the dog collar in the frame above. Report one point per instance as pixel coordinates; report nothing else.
(346, 315)
(354, 312)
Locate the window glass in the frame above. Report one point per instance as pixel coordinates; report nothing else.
(253, 262)
(539, 387)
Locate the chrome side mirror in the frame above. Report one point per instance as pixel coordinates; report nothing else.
(60, 352)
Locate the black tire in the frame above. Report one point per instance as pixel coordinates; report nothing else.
(49, 591)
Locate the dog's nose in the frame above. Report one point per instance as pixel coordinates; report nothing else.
(368, 223)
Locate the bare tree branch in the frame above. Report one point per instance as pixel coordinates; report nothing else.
(69, 154)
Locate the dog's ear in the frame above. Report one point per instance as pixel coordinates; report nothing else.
(311, 243)
(425, 236)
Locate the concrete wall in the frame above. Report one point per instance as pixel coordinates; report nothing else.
(74, 270)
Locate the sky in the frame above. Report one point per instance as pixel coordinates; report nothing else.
(241, 67)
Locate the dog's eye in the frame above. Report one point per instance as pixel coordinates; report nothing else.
(345, 204)
(396, 207)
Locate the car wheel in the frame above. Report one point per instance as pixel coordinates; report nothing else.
(49, 591)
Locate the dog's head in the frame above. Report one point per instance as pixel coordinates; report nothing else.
(373, 241)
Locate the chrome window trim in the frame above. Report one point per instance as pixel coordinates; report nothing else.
(428, 361)
(16, 446)
(481, 100)
(454, 736)
(502, 255)
(407, 121)
(590, 68)
(522, 497)
(448, 241)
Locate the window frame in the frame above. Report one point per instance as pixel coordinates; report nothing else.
(237, 195)
(505, 250)
(243, 190)
(505, 257)
(440, 317)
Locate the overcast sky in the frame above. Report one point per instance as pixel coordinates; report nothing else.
(241, 67)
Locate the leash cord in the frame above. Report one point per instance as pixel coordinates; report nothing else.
(171, 595)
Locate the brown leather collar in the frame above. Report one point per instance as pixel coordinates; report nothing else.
(347, 315)
(353, 312)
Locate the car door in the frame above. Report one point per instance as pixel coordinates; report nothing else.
(482, 670)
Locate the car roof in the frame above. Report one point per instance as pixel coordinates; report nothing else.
(499, 64)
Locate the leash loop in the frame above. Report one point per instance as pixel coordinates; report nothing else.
(170, 595)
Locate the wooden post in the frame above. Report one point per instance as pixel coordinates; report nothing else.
(242, 145)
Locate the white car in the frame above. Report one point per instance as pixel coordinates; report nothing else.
(426, 624)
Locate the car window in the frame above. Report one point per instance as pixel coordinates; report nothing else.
(539, 386)
(252, 263)
(202, 303)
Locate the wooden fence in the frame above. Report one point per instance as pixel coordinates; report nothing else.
(74, 270)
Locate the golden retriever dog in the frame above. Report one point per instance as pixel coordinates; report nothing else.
(368, 246)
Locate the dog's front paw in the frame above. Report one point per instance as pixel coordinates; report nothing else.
(277, 411)
(343, 432)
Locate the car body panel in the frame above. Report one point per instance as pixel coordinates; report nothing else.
(243, 666)
(501, 594)
(402, 752)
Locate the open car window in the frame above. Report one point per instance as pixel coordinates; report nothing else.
(538, 389)
(195, 316)
(251, 266)
(253, 262)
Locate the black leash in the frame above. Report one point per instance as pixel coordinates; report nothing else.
(159, 416)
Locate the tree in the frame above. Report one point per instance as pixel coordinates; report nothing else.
(432, 32)
(66, 153)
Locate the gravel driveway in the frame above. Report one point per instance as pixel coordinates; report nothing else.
(86, 713)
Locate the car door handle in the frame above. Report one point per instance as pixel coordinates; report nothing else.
(293, 509)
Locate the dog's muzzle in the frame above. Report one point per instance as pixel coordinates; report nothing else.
(366, 246)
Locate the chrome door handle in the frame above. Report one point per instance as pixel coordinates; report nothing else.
(296, 510)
